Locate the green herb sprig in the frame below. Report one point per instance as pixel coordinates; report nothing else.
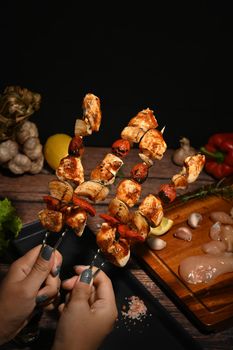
(217, 190)
(10, 223)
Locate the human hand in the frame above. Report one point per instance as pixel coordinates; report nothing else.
(88, 315)
(31, 281)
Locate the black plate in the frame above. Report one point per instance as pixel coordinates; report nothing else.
(156, 328)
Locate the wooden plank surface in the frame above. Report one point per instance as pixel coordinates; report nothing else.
(211, 303)
(26, 193)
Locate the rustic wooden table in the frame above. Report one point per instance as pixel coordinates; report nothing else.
(26, 193)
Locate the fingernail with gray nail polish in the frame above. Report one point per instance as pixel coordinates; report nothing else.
(46, 252)
(41, 299)
(56, 271)
(86, 276)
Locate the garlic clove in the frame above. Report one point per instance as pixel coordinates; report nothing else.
(215, 231)
(183, 233)
(194, 220)
(156, 243)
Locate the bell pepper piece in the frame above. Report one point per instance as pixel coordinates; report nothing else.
(82, 203)
(110, 219)
(126, 232)
(219, 155)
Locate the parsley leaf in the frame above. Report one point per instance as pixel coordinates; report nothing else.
(10, 223)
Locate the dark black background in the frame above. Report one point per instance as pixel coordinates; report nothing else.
(173, 57)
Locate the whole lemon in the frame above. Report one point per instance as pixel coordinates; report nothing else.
(56, 148)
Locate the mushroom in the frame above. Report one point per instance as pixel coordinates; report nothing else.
(194, 220)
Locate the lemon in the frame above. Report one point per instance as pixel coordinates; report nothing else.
(56, 148)
(164, 226)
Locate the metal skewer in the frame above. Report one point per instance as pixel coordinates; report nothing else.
(94, 261)
(58, 242)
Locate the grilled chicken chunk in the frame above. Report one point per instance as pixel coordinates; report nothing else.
(91, 111)
(140, 223)
(139, 125)
(132, 133)
(93, 190)
(153, 145)
(76, 219)
(116, 251)
(51, 220)
(151, 207)
(119, 253)
(61, 190)
(193, 165)
(145, 119)
(106, 171)
(129, 191)
(119, 210)
(70, 169)
(180, 181)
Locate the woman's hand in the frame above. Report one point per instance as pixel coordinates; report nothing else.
(88, 315)
(32, 280)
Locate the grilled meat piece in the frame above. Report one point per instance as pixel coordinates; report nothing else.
(151, 208)
(153, 145)
(93, 190)
(106, 171)
(129, 191)
(91, 111)
(52, 220)
(70, 169)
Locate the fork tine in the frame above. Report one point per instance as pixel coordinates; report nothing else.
(60, 239)
(48, 233)
(94, 258)
(94, 262)
(98, 270)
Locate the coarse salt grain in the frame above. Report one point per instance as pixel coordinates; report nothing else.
(137, 308)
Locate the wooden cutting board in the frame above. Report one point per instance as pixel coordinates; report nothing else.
(210, 305)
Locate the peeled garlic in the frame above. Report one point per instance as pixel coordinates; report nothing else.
(156, 243)
(183, 233)
(215, 230)
(194, 220)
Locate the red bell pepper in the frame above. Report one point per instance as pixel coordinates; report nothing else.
(126, 232)
(219, 155)
(82, 203)
(110, 219)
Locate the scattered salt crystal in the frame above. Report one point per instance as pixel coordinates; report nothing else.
(137, 308)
